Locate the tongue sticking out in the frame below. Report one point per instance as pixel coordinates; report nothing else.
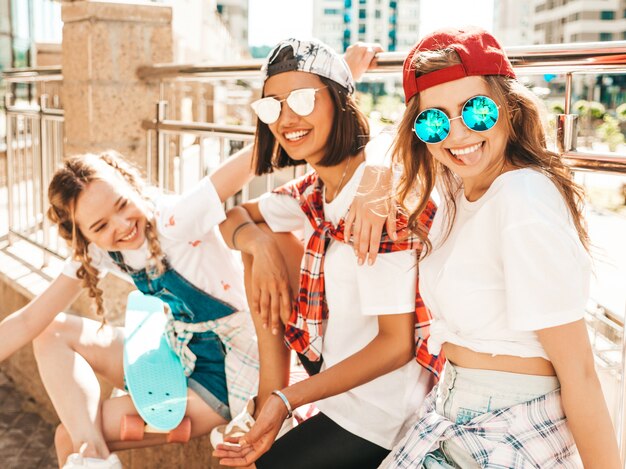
(470, 158)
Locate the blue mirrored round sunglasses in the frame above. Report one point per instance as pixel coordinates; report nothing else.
(479, 114)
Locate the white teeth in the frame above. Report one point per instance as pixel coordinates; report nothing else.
(291, 136)
(130, 235)
(465, 151)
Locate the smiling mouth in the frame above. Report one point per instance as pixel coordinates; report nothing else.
(460, 153)
(295, 136)
(130, 235)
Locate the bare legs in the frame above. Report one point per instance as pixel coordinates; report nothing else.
(273, 354)
(69, 353)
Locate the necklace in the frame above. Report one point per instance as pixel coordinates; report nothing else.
(343, 176)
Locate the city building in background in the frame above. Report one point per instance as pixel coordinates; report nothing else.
(203, 34)
(234, 14)
(560, 21)
(392, 23)
(512, 22)
(23, 25)
(563, 21)
(30, 34)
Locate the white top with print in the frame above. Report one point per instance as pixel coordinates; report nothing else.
(189, 237)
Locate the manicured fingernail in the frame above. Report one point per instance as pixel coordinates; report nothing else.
(360, 261)
(264, 326)
(394, 236)
(275, 331)
(370, 261)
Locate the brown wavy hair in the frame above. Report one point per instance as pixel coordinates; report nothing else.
(68, 182)
(349, 133)
(526, 148)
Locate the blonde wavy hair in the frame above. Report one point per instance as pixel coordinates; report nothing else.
(526, 148)
(67, 184)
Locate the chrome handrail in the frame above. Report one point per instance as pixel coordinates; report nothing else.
(175, 126)
(591, 57)
(613, 163)
(28, 75)
(563, 58)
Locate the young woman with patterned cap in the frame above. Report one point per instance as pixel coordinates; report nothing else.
(353, 325)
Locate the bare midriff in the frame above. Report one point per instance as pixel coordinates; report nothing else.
(467, 358)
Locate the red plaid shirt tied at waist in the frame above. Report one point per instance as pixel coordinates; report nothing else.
(304, 332)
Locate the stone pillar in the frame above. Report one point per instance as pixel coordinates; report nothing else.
(104, 101)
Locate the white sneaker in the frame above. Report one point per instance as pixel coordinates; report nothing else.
(241, 425)
(78, 461)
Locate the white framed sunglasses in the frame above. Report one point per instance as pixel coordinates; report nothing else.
(301, 101)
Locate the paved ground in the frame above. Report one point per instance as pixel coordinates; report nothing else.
(26, 440)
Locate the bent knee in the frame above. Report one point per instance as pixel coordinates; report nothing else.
(56, 330)
(62, 438)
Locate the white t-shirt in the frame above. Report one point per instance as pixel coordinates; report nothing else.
(192, 243)
(355, 296)
(512, 264)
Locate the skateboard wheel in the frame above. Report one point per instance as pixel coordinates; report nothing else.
(182, 433)
(132, 428)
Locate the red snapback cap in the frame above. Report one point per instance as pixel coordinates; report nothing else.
(480, 54)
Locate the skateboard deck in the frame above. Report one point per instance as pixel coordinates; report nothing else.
(154, 375)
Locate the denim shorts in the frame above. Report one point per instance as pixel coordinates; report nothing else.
(465, 393)
(208, 379)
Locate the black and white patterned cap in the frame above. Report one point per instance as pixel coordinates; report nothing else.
(310, 56)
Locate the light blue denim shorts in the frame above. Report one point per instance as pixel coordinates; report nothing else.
(464, 393)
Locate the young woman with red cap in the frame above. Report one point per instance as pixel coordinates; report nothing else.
(353, 325)
(505, 274)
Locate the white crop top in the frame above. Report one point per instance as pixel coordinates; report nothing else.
(512, 264)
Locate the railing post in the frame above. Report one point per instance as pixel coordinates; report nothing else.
(566, 130)
(149, 159)
(161, 115)
(8, 102)
(44, 166)
(568, 93)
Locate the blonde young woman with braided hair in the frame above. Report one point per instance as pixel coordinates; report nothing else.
(170, 246)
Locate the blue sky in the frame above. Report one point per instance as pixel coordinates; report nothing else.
(273, 20)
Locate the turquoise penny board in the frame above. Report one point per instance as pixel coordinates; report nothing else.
(154, 375)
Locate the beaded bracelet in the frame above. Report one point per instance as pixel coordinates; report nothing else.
(283, 398)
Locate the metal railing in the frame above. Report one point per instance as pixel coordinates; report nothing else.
(567, 59)
(34, 136)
